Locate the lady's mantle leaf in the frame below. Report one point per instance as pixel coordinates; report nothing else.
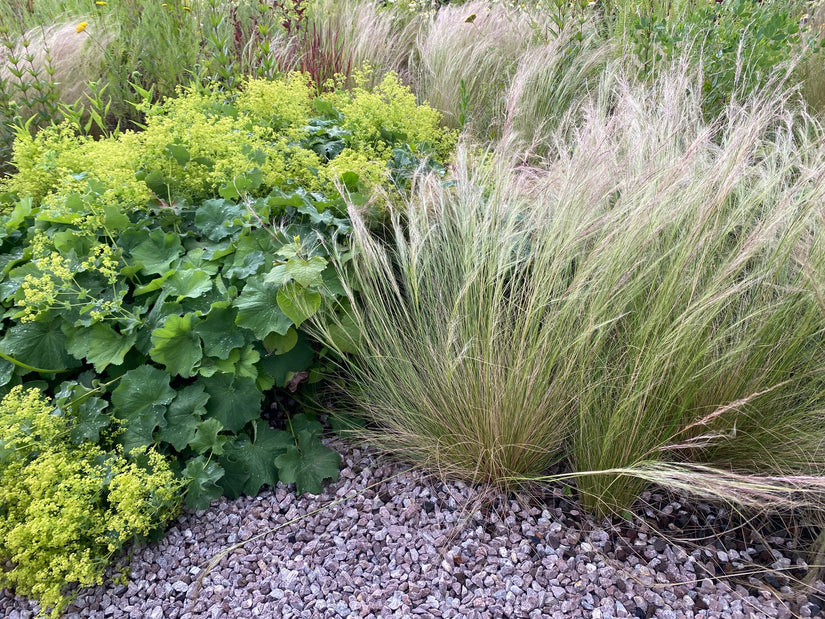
(241, 363)
(90, 421)
(76, 400)
(190, 283)
(232, 401)
(183, 416)
(298, 303)
(177, 345)
(308, 463)
(158, 252)
(207, 438)
(246, 265)
(301, 423)
(258, 309)
(100, 345)
(140, 401)
(203, 488)
(39, 344)
(251, 465)
(6, 371)
(216, 219)
(219, 334)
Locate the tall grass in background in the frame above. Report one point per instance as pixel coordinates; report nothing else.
(647, 305)
(128, 46)
(373, 35)
(477, 63)
(464, 58)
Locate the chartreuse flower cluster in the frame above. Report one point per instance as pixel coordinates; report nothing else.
(67, 505)
(54, 284)
(198, 142)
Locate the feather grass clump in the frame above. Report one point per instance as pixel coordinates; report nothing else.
(648, 306)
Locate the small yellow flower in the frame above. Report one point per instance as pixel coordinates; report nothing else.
(99, 3)
(81, 26)
(186, 8)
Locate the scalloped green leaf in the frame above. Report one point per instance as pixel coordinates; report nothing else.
(246, 265)
(210, 366)
(90, 420)
(178, 152)
(308, 464)
(203, 479)
(74, 399)
(245, 182)
(155, 284)
(100, 345)
(113, 218)
(40, 345)
(140, 400)
(241, 362)
(183, 416)
(189, 283)
(298, 303)
(207, 437)
(6, 372)
(258, 309)
(177, 345)
(303, 423)
(217, 219)
(157, 252)
(219, 333)
(248, 465)
(232, 401)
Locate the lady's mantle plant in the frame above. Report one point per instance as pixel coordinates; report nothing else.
(154, 285)
(68, 503)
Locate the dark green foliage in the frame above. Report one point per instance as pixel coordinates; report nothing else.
(156, 283)
(186, 315)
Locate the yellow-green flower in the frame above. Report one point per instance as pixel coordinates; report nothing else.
(81, 26)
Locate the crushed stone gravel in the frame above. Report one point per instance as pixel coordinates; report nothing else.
(397, 543)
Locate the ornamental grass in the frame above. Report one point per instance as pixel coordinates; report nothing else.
(645, 307)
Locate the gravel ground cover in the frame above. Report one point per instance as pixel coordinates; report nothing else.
(398, 543)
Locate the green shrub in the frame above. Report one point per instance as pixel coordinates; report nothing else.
(739, 43)
(67, 504)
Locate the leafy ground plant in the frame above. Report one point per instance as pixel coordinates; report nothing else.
(69, 501)
(647, 306)
(175, 284)
(155, 285)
